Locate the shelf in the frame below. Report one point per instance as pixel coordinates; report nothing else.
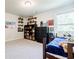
(31, 24)
(20, 24)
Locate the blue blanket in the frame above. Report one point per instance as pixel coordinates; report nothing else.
(55, 48)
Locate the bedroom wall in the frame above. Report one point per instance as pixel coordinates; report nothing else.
(51, 14)
(12, 33)
(45, 16)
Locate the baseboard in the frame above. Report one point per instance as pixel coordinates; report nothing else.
(12, 39)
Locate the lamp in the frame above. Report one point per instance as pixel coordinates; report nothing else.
(28, 3)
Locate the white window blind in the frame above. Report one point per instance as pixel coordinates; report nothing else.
(65, 22)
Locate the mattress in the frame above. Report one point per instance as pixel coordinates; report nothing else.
(55, 48)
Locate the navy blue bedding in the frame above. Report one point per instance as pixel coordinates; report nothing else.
(55, 48)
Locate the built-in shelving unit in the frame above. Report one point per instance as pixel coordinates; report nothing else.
(29, 29)
(20, 24)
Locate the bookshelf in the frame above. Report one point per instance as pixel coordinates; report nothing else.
(20, 24)
(29, 29)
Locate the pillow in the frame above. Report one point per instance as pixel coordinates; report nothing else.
(56, 41)
(64, 45)
(60, 35)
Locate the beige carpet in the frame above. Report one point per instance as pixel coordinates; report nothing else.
(23, 49)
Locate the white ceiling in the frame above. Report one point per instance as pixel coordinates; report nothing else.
(18, 7)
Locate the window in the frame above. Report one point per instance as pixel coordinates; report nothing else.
(65, 22)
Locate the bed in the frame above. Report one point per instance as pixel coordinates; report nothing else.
(54, 50)
(55, 47)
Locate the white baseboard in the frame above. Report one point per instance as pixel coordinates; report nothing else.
(7, 40)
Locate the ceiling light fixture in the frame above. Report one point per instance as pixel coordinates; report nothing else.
(27, 3)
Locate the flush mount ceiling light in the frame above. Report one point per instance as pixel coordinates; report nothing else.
(27, 3)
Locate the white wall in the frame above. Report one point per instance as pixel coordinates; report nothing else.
(51, 14)
(12, 33)
(25, 21)
(44, 17)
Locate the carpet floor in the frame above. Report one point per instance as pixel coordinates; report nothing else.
(23, 49)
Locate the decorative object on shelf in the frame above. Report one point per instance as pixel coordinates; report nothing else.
(41, 24)
(51, 22)
(51, 29)
(51, 25)
(29, 29)
(32, 18)
(20, 24)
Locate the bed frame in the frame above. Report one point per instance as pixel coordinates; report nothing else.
(46, 55)
(44, 51)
